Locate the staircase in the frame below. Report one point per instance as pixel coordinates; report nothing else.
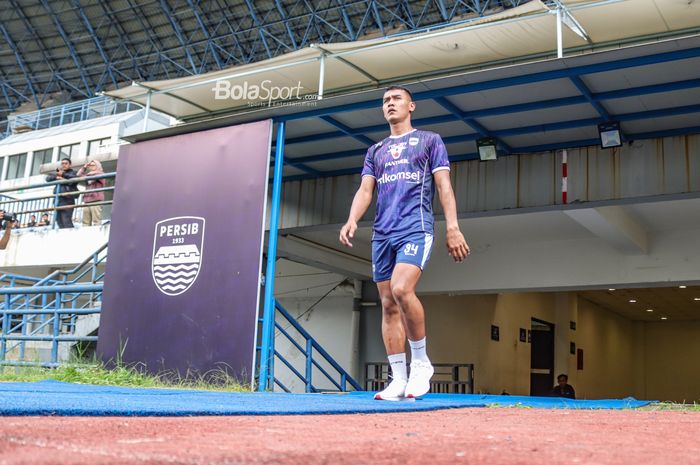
(43, 319)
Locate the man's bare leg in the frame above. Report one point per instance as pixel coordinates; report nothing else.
(394, 337)
(403, 288)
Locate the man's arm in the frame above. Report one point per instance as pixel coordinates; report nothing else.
(6, 236)
(360, 204)
(456, 245)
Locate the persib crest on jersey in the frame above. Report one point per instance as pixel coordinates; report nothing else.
(397, 149)
(177, 253)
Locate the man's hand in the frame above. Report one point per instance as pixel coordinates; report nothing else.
(347, 232)
(456, 245)
(59, 173)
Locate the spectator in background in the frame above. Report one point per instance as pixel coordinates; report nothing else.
(44, 220)
(32, 221)
(92, 214)
(65, 202)
(563, 388)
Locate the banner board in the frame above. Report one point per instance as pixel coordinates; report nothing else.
(182, 281)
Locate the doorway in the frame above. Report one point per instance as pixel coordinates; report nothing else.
(541, 357)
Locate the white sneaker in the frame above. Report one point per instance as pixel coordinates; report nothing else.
(395, 391)
(419, 379)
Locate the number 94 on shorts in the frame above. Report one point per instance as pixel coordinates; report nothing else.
(387, 252)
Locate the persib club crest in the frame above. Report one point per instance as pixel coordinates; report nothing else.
(177, 253)
(397, 149)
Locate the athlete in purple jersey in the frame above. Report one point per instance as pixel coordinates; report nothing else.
(402, 167)
(406, 168)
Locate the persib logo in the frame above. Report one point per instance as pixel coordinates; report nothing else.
(177, 253)
(397, 149)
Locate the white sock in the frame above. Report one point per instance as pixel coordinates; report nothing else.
(418, 350)
(398, 366)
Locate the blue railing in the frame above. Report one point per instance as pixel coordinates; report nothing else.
(54, 322)
(36, 199)
(47, 309)
(66, 114)
(315, 357)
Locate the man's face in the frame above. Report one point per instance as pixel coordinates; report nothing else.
(65, 165)
(397, 106)
(562, 381)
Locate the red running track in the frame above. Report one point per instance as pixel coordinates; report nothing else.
(484, 436)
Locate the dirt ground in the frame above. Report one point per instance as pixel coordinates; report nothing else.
(488, 436)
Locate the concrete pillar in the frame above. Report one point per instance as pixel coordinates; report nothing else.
(566, 312)
(355, 330)
(639, 360)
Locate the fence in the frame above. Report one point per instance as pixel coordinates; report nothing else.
(37, 199)
(454, 378)
(65, 114)
(47, 313)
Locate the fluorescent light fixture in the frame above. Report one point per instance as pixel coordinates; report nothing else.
(664, 318)
(487, 148)
(682, 287)
(697, 298)
(611, 290)
(650, 310)
(610, 135)
(632, 301)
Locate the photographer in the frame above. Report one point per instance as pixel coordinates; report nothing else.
(65, 202)
(7, 221)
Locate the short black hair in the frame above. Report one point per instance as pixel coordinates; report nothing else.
(410, 95)
(563, 375)
(67, 159)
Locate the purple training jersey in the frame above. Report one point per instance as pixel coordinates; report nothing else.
(403, 167)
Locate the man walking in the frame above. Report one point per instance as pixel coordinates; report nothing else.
(406, 168)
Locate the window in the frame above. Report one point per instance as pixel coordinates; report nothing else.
(97, 146)
(68, 151)
(40, 157)
(16, 165)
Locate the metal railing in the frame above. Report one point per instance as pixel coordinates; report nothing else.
(66, 114)
(47, 310)
(316, 359)
(53, 322)
(452, 378)
(21, 202)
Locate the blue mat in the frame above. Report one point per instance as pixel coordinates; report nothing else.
(66, 399)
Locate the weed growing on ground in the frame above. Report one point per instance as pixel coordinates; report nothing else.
(673, 406)
(96, 372)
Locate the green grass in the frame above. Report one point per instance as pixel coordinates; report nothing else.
(672, 406)
(123, 375)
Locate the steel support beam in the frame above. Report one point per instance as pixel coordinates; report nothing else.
(100, 48)
(20, 62)
(471, 122)
(179, 34)
(71, 48)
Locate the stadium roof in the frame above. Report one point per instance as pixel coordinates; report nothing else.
(534, 103)
(54, 51)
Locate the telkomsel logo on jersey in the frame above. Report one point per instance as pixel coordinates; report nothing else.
(411, 177)
(177, 253)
